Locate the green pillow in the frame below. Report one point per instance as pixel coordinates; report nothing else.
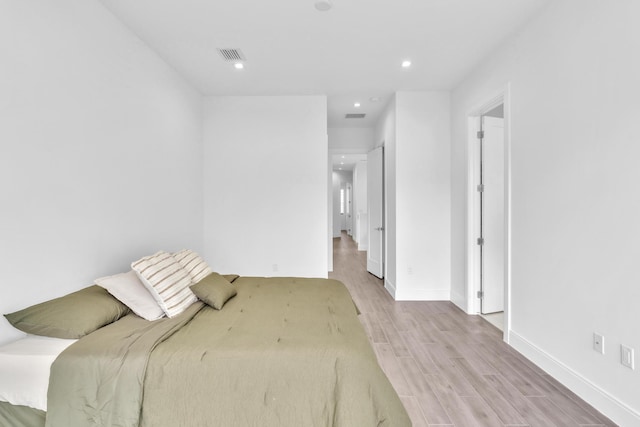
(214, 290)
(71, 316)
(230, 277)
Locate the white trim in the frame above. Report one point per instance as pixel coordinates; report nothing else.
(609, 405)
(424, 295)
(390, 287)
(330, 235)
(473, 201)
(460, 301)
(507, 211)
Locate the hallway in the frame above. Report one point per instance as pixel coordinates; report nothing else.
(452, 369)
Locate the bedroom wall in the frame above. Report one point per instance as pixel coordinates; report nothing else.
(265, 191)
(575, 207)
(423, 138)
(415, 129)
(351, 140)
(99, 159)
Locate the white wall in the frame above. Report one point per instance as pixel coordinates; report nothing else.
(265, 191)
(351, 140)
(575, 206)
(415, 129)
(97, 134)
(385, 135)
(361, 229)
(423, 196)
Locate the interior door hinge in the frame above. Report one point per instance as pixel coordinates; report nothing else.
(480, 294)
(480, 134)
(480, 188)
(480, 241)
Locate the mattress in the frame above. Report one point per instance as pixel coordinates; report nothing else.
(282, 352)
(24, 369)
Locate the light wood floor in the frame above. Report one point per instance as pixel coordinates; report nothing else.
(451, 369)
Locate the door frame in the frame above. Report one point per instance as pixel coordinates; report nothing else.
(502, 96)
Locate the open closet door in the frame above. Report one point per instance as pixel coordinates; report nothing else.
(375, 201)
(493, 216)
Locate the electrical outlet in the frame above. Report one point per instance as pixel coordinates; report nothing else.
(598, 343)
(626, 356)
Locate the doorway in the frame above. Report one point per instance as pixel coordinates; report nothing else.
(347, 198)
(488, 214)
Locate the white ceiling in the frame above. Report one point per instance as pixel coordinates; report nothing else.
(347, 162)
(350, 53)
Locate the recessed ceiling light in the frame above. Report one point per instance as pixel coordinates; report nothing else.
(406, 63)
(239, 65)
(342, 163)
(356, 104)
(343, 157)
(340, 169)
(374, 99)
(323, 5)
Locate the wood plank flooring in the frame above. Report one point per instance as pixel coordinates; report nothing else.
(452, 369)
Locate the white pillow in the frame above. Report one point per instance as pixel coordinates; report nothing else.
(167, 282)
(130, 291)
(194, 264)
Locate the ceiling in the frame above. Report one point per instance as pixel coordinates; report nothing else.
(347, 162)
(350, 53)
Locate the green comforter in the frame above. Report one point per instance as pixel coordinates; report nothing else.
(283, 352)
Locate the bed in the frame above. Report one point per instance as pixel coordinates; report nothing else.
(281, 352)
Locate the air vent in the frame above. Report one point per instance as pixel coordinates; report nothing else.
(355, 116)
(231, 55)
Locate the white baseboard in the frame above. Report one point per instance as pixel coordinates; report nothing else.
(460, 301)
(617, 411)
(424, 295)
(390, 287)
(362, 247)
(417, 294)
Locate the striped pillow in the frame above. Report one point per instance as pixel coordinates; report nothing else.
(194, 264)
(167, 281)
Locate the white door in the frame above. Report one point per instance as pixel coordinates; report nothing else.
(375, 202)
(348, 208)
(493, 215)
(343, 216)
